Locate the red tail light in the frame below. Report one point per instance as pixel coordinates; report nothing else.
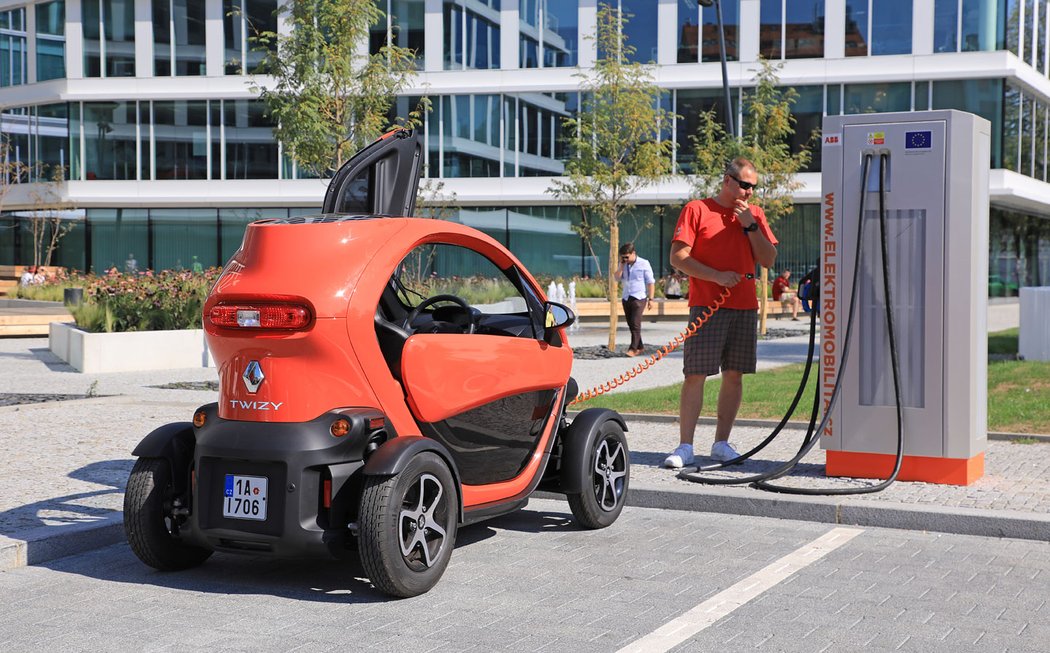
(261, 316)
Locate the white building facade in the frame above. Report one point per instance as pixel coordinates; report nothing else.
(145, 108)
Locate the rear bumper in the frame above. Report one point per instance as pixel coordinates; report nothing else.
(297, 459)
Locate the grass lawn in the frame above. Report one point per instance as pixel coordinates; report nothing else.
(1018, 393)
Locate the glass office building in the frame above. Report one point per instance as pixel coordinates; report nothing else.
(144, 108)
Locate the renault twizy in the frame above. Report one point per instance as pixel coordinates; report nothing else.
(360, 415)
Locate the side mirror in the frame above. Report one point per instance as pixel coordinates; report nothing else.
(557, 316)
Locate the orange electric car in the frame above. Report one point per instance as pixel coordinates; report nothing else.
(365, 408)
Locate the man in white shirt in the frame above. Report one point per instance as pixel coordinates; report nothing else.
(639, 286)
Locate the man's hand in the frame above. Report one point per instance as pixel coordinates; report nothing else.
(727, 278)
(743, 213)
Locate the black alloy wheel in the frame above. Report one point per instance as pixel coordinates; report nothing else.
(609, 465)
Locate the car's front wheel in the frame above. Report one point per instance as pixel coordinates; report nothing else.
(608, 466)
(149, 519)
(407, 526)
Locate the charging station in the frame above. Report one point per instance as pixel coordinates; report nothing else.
(936, 209)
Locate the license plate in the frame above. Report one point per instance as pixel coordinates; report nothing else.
(245, 497)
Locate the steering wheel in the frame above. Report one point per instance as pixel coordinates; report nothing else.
(430, 301)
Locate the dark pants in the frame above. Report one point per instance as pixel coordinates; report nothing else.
(633, 309)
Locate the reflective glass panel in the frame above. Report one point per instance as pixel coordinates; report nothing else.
(709, 49)
(118, 235)
(52, 144)
(548, 33)
(808, 114)
(251, 151)
(688, 31)
(945, 25)
(471, 34)
(891, 27)
(857, 28)
(804, 29)
(109, 140)
(181, 139)
(770, 30)
(983, 97)
(180, 236)
(119, 26)
(690, 103)
(877, 98)
(640, 29)
(50, 40)
(189, 37)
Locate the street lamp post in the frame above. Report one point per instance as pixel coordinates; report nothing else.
(722, 56)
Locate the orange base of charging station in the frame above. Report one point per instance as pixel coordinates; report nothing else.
(947, 471)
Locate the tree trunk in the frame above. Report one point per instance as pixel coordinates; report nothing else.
(763, 307)
(614, 258)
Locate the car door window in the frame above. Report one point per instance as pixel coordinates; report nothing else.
(498, 301)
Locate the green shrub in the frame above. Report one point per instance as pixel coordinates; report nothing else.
(145, 302)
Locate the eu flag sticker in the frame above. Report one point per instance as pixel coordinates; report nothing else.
(918, 140)
(228, 490)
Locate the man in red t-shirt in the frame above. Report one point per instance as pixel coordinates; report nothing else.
(782, 293)
(718, 242)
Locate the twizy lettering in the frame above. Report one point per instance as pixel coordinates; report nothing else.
(256, 405)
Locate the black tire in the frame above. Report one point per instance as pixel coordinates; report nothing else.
(394, 510)
(609, 464)
(147, 519)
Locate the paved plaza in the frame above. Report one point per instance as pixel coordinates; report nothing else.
(530, 581)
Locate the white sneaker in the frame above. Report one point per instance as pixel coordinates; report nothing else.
(723, 451)
(680, 457)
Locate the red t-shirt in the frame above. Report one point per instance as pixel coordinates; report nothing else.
(780, 286)
(718, 241)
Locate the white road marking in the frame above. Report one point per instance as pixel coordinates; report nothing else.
(707, 613)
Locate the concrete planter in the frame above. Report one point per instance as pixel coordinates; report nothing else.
(128, 352)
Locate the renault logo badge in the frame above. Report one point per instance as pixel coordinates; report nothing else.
(253, 377)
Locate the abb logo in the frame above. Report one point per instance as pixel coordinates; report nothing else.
(832, 139)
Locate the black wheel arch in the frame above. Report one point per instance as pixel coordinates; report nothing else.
(574, 479)
(394, 455)
(174, 443)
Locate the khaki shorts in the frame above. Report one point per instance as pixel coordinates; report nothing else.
(726, 341)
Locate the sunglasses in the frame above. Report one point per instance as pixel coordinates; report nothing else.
(744, 185)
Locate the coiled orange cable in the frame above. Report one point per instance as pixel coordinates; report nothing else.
(677, 342)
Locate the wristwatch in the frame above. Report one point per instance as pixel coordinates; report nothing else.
(751, 227)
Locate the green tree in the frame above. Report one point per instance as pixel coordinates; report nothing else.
(768, 128)
(615, 144)
(329, 99)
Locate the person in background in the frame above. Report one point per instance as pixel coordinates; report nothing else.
(27, 276)
(717, 242)
(782, 293)
(639, 288)
(673, 286)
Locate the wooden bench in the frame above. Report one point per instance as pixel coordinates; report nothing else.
(599, 308)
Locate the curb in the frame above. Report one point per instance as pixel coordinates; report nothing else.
(770, 424)
(50, 542)
(848, 512)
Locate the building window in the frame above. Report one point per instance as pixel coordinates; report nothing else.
(809, 116)
(178, 38)
(984, 97)
(974, 25)
(181, 135)
(13, 47)
(471, 34)
(242, 20)
(51, 40)
(689, 104)
(251, 152)
(109, 38)
(791, 29)
(877, 98)
(401, 25)
(110, 134)
(878, 27)
(698, 30)
(549, 33)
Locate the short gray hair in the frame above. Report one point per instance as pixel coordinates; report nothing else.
(738, 165)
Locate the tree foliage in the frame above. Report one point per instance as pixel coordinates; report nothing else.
(615, 143)
(328, 98)
(768, 128)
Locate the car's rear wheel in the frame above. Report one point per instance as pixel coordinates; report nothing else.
(609, 468)
(149, 520)
(407, 526)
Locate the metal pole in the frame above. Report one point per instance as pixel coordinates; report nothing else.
(725, 72)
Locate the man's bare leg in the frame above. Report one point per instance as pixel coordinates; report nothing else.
(689, 406)
(729, 397)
